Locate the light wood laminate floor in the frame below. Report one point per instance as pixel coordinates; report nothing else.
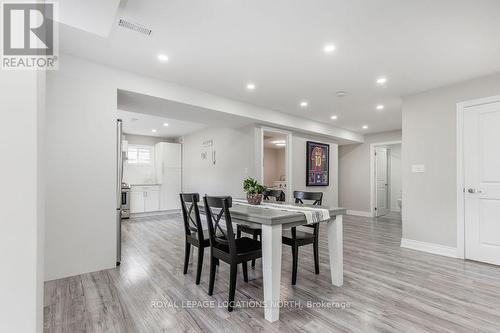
(386, 288)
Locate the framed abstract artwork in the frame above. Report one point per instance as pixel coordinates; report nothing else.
(317, 164)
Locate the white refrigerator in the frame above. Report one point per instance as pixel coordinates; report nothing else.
(168, 166)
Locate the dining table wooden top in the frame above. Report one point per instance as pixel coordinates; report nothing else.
(270, 215)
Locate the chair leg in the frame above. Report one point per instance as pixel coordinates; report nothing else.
(316, 255)
(295, 258)
(255, 236)
(245, 271)
(186, 257)
(238, 231)
(211, 281)
(232, 286)
(200, 264)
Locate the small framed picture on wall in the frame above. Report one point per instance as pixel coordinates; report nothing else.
(317, 164)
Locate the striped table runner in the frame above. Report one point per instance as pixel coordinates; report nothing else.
(312, 214)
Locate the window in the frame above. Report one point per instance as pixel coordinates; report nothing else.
(140, 155)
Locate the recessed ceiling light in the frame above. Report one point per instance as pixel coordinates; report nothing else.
(329, 48)
(153, 130)
(280, 144)
(365, 126)
(380, 107)
(334, 117)
(304, 104)
(251, 86)
(163, 57)
(277, 142)
(341, 93)
(382, 80)
(165, 124)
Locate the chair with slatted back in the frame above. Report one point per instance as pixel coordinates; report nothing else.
(195, 235)
(224, 246)
(296, 238)
(278, 195)
(256, 233)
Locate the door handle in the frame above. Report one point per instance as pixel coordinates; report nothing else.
(473, 190)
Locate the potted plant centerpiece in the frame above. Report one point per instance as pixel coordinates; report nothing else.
(254, 191)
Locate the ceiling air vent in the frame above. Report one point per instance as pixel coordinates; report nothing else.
(135, 27)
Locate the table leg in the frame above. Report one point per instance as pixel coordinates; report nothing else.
(336, 248)
(271, 266)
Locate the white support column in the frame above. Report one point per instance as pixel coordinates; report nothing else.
(336, 248)
(271, 266)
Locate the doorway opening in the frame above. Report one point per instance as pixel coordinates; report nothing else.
(276, 167)
(386, 193)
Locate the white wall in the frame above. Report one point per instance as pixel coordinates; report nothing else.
(429, 138)
(274, 165)
(234, 161)
(330, 193)
(81, 175)
(354, 171)
(395, 176)
(238, 156)
(21, 200)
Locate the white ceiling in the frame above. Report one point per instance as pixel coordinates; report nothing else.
(220, 46)
(143, 124)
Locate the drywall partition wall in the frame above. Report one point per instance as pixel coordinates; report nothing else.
(330, 193)
(429, 138)
(81, 175)
(395, 176)
(354, 172)
(22, 206)
(217, 160)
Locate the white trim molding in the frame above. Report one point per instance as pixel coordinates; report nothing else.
(433, 248)
(288, 157)
(359, 213)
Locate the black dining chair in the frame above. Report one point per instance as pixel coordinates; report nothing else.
(256, 233)
(225, 247)
(195, 235)
(278, 195)
(296, 238)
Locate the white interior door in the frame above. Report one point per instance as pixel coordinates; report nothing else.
(482, 182)
(381, 181)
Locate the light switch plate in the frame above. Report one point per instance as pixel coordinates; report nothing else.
(418, 168)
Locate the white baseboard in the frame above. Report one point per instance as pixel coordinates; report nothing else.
(359, 213)
(157, 213)
(438, 249)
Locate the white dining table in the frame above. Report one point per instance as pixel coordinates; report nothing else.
(273, 221)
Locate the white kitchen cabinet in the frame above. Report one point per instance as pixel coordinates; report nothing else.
(144, 199)
(136, 202)
(168, 163)
(152, 200)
